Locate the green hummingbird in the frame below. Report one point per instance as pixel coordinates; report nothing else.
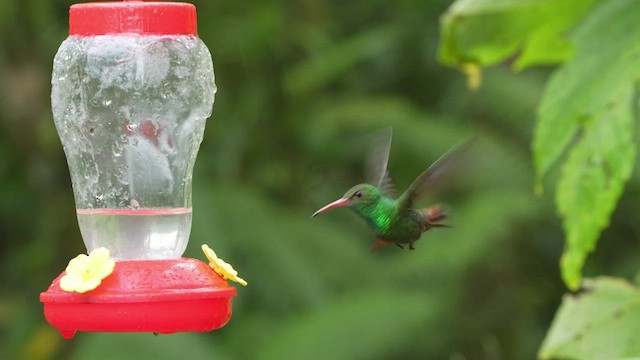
(391, 217)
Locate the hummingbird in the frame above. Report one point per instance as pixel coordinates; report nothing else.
(393, 218)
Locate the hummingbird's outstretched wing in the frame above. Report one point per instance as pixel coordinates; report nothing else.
(427, 178)
(377, 160)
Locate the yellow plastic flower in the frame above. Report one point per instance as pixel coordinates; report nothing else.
(85, 273)
(221, 267)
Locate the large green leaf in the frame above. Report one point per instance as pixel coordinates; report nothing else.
(601, 323)
(590, 101)
(486, 32)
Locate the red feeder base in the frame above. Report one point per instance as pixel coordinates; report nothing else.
(160, 296)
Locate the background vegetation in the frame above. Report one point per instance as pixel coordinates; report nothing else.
(300, 86)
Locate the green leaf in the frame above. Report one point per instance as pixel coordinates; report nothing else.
(592, 95)
(592, 182)
(601, 72)
(601, 323)
(487, 32)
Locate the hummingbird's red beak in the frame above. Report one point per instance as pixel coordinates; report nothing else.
(335, 204)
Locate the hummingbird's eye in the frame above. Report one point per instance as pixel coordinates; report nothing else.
(357, 194)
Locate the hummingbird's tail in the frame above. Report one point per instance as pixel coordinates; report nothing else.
(435, 214)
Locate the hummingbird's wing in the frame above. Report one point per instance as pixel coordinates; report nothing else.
(377, 160)
(428, 177)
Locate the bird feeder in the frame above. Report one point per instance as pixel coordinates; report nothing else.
(132, 87)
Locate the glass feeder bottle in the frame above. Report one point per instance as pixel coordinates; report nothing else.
(130, 110)
(132, 87)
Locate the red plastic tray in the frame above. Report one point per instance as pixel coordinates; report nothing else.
(160, 296)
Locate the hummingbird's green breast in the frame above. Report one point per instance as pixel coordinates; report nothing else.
(407, 227)
(380, 215)
(388, 222)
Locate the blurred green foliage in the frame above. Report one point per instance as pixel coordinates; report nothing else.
(589, 110)
(300, 86)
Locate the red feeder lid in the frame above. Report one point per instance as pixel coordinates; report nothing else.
(133, 16)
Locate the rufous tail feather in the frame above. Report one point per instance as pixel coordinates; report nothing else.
(437, 213)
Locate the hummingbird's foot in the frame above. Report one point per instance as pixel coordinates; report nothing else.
(400, 246)
(411, 247)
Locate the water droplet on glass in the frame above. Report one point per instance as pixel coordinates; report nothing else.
(117, 150)
(135, 205)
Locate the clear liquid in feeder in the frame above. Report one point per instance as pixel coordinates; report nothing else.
(130, 110)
